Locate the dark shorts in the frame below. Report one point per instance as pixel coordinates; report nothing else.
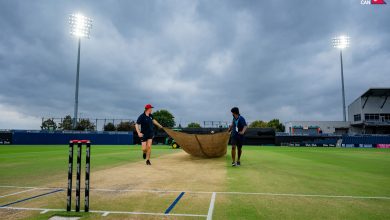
(238, 141)
(146, 137)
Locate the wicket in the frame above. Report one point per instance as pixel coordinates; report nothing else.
(78, 175)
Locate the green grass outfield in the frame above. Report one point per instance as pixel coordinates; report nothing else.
(272, 183)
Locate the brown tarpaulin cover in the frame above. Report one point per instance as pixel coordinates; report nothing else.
(201, 145)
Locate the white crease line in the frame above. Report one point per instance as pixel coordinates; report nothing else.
(18, 192)
(147, 190)
(211, 208)
(44, 211)
(30, 187)
(307, 195)
(32, 209)
(104, 212)
(147, 213)
(20, 187)
(246, 193)
(117, 190)
(205, 192)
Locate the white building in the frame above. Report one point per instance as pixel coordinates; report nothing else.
(316, 127)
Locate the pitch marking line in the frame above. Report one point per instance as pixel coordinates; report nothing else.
(211, 208)
(147, 213)
(247, 193)
(19, 187)
(307, 195)
(32, 197)
(104, 213)
(18, 192)
(174, 203)
(148, 191)
(205, 192)
(30, 187)
(33, 209)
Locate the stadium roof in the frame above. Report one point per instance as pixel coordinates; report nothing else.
(377, 92)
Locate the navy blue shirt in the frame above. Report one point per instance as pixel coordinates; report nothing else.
(146, 123)
(239, 123)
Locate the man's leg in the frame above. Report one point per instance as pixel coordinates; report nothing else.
(148, 148)
(239, 149)
(234, 153)
(143, 144)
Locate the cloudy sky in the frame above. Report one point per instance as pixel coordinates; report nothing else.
(273, 59)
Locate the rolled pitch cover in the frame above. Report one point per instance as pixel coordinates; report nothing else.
(201, 145)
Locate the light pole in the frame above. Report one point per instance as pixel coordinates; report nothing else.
(80, 27)
(342, 42)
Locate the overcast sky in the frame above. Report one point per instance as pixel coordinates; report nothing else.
(197, 59)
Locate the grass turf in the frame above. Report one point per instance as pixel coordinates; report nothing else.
(315, 171)
(325, 171)
(22, 164)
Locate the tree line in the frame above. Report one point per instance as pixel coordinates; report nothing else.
(164, 117)
(274, 123)
(67, 124)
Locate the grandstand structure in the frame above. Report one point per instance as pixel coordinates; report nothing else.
(368, 114)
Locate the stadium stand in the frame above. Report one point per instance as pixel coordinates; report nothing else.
(5, 137)
(365, 140)
(63, 137)
(331, 142)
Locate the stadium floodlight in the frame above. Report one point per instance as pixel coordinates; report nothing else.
(80, 27)
(342, 42)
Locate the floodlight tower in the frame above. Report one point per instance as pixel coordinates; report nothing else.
(80, 27)
(342, 42)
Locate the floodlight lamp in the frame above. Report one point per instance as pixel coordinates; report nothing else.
(80, 25)
(341, 42)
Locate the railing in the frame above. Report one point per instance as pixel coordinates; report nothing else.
(377, 122)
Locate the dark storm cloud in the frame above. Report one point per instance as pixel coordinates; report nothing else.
(196, 58)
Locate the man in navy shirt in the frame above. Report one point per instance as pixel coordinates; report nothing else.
(145, 131)
(238, 128)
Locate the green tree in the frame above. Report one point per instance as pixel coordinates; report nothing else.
(165, 118)
(109, 127)
(66, 123)
(258, 124)
(193, 125)
(49, 124)
(85, 125)
(126, 126)
(275, 123)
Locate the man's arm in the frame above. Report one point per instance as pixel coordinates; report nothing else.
(243, 130)
(230, 127)
(138, 131)
(157, 124)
